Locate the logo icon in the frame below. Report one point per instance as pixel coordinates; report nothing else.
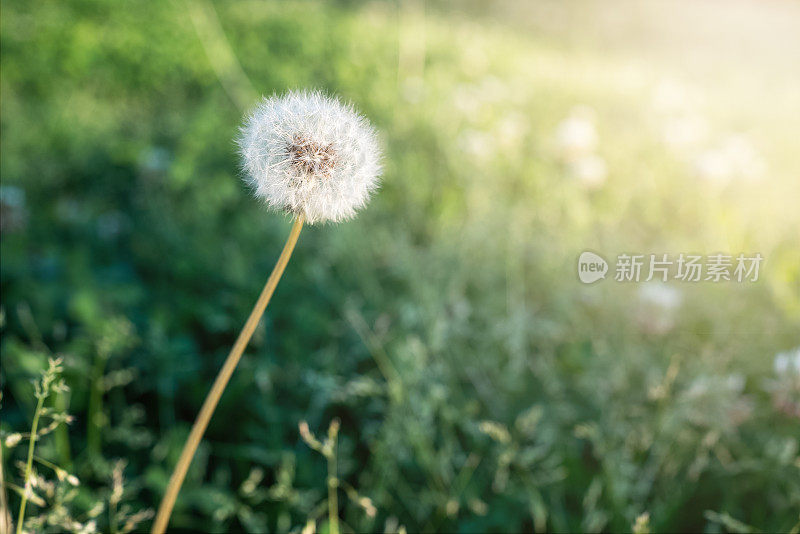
(591, 267)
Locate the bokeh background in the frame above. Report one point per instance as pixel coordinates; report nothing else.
(480, 386)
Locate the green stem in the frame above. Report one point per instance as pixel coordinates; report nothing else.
(95, 409)
(333, 502)
(112, 516)
(62, 435)
(29, 464)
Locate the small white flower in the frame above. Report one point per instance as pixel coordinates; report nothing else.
(477, 144)
(685, 131)
(589, 170)
(661, 295)
(733, 158)
(787, 362)
(670, 96)
(307, 153)
(576, 135)
(658, 307)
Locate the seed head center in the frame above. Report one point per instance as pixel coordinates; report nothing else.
(311, 158)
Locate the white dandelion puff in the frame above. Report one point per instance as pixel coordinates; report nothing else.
(658, 307)
(576, 135)
(589, 170)
(787, 362)
(308, 153)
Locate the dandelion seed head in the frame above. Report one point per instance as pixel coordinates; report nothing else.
(308, 153)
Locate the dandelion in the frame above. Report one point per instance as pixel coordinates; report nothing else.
(576, 135)
(590, 170)
(685, 131)
(658, 305)
(787, 362)
(670, 96)
(477, 144)
(308, 155)
(735, 157)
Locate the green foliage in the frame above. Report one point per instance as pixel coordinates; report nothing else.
(480, 387)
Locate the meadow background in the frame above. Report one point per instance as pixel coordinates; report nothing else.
(480, 386)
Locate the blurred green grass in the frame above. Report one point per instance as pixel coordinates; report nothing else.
(480, 386)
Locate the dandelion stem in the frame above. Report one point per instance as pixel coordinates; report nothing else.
(29, 463)
(203, 418)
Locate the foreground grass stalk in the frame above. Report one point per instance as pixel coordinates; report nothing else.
(333, 484)
(212, 399)
(95, 408)
(29, 464)
(5, 514)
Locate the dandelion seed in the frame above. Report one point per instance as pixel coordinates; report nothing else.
(307, 153)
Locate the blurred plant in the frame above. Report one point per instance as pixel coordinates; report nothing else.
(61, 499)
(121, 519)
(114, 336)
(13, 211)
(328, 449)
(461, 277)
(642, 524)
(50, 382)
